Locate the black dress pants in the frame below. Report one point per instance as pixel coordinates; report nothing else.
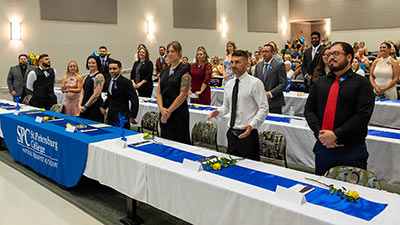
(247, 147)
(350, 155)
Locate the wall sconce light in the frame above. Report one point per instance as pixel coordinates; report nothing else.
(328, 26)
(224, 27)
(150, 26)
(284, 25)
(15, 30)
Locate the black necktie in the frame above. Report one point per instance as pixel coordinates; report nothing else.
(112, 86)
(234, 102)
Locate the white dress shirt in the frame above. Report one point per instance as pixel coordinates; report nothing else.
(31, 78)
(252, 103)
(110, 87)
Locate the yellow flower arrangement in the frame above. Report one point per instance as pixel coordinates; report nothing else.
(222, 86)
(147, 136)
(350, 195)
(43, 109)
(217, 163)
(46, 118)
(354, 194)
(196, 106)
(68, 124)
(216, 166)
(299, 94)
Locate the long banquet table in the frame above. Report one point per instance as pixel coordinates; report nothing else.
(159, 179)
(208, 198)
(383, 144)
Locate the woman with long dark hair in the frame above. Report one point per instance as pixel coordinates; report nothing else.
(93, 83)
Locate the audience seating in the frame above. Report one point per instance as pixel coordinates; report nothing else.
(273, 145)
(354, 175)
(150, 122)
(204, 133)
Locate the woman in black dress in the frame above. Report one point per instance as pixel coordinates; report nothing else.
(172, 91)
(142, 74)
(92, 85)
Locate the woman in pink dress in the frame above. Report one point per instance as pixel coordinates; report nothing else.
(72, 87)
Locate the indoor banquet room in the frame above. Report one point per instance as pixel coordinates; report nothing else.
(236, 112)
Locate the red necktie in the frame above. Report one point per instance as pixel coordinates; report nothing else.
(330, 108)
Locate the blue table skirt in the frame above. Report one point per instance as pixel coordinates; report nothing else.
(49, 149)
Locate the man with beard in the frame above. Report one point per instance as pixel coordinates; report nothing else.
(310, 58)
(17, 77)
(245, 99)
(40, 83)
(338, 110)
(160, 62)
(105, 61)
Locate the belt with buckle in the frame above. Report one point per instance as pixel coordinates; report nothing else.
(237, 132)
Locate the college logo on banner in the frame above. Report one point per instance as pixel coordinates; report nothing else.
(35, 144)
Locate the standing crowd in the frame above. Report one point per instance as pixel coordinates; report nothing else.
(338, 108)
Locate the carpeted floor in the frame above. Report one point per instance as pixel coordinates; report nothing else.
(103, 203)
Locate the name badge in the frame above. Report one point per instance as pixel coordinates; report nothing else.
(192, 165)
(71, 129)
(39, 119)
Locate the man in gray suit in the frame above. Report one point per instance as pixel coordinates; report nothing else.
(273, 75)
(17, 76)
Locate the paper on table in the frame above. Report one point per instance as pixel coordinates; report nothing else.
(193, 96)
(99, 125)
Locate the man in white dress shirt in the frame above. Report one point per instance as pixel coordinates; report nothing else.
(245, 99)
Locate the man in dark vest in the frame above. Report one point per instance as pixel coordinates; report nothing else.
(40, 83)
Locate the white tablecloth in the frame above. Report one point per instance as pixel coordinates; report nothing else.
(22, 108)
(206, 198)
(384, 153)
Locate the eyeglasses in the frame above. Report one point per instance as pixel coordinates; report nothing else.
(335, 54)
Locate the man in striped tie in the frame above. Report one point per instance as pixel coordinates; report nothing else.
(338, 110)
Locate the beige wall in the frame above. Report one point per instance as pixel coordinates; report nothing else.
(371, 37)
(65, 41)
(301, 29)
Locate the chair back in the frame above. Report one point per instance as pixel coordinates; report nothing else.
(150, 121)
(354, 175)
(205, 132)
(57, 108)
(273, 145)
(26, 99)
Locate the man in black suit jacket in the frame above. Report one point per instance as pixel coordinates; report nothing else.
(120, 93)
(273, 75)
(17, 76)
(310, 58)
